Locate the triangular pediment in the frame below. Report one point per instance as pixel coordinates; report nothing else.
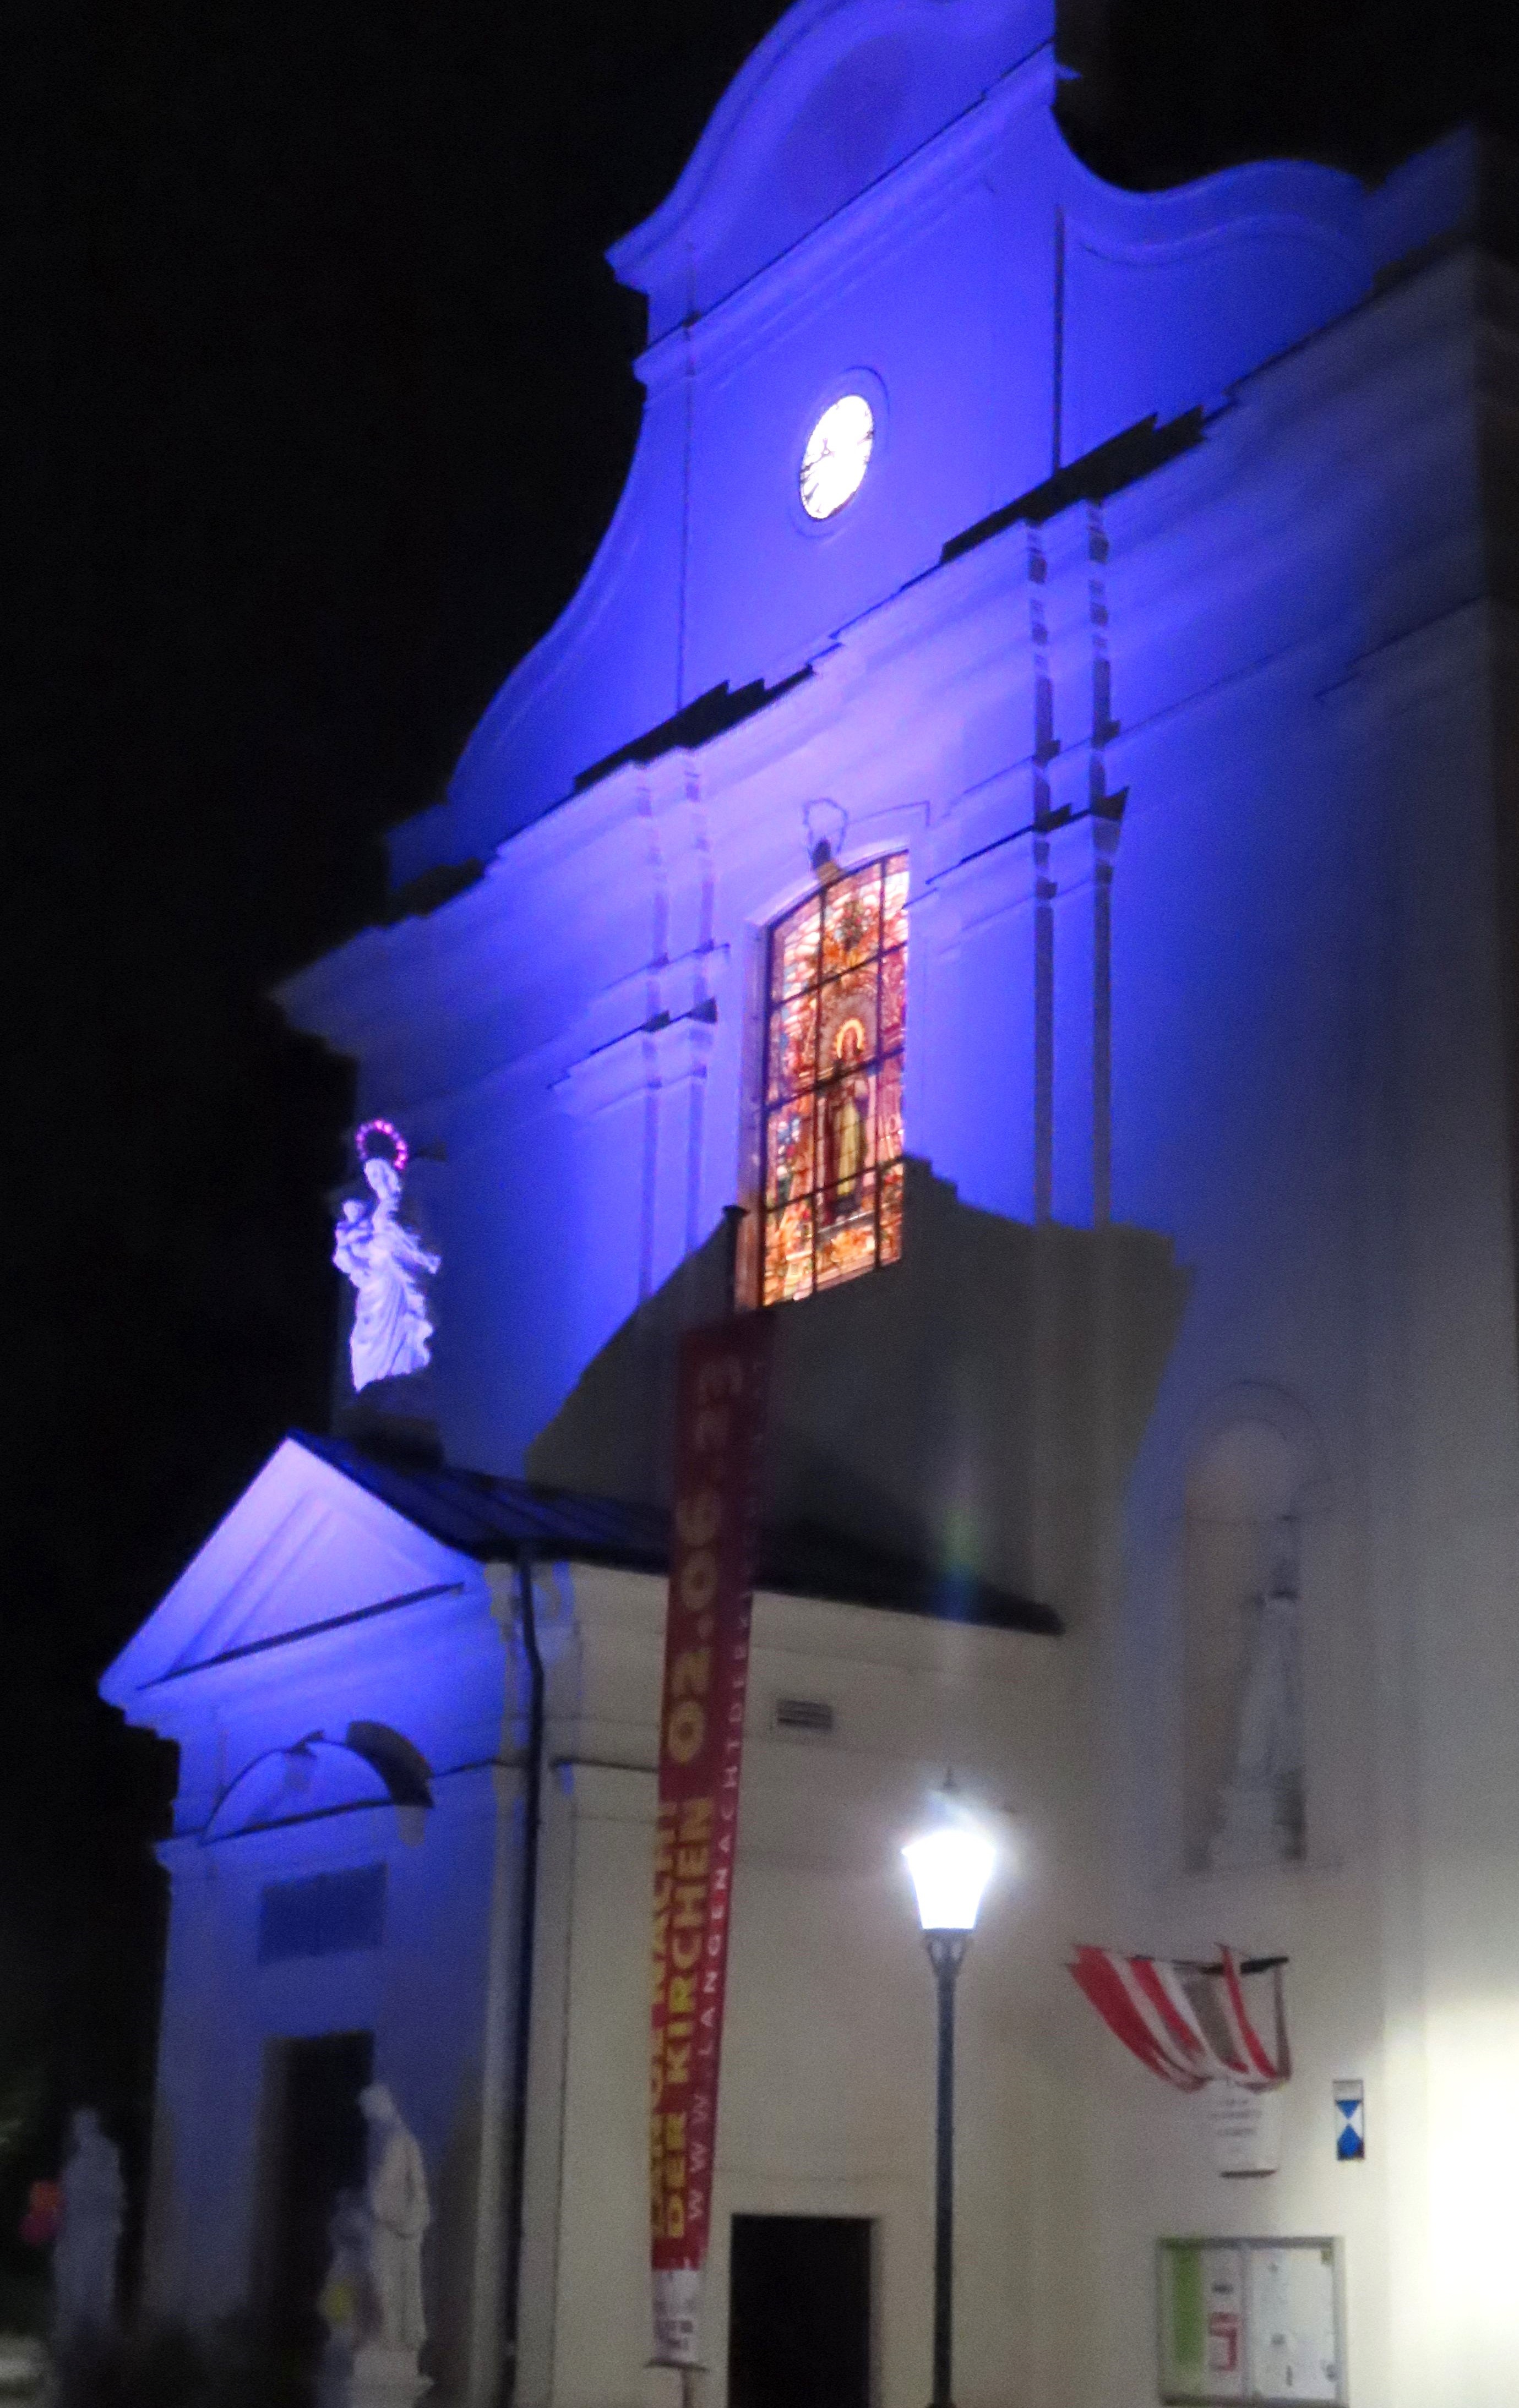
(303, 1548)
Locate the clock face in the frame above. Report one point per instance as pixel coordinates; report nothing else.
(837, 455)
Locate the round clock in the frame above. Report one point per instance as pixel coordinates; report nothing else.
(837, 455)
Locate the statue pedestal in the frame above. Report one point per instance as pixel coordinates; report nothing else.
(1256, 1827)
(371, 2377)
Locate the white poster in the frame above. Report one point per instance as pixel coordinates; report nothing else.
(1294, 2352)
(1246, 2127)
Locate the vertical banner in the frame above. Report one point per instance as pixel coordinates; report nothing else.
(720, 1431)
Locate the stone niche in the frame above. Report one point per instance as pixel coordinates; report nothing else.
(1242, 1763)
(974, 1406)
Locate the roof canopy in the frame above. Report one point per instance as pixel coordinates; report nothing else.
(489, 1518)
(330, 1536)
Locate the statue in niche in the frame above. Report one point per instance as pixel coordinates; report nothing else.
(387, 1264)
(1260, 1818)
(89, 2233)
(397, 2215)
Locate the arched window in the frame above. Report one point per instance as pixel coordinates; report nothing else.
(833, 1081)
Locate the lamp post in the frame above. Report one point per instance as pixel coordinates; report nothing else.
(950, 1865)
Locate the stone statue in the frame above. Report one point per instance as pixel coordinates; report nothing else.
(396, 2198)
(1261, 1805)
(388, 1266)
(89, 2233)
(371, 2299)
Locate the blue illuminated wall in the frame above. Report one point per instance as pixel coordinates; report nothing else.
(577, 1029)
(340, 1693)
(884, 188)
(1160, 638)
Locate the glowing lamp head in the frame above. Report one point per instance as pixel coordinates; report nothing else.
(950, 1867)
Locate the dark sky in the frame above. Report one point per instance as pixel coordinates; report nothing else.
(327, 402)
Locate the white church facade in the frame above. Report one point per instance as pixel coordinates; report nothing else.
(1008, 866)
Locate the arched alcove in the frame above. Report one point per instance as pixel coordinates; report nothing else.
(1243, 1789)
(316, 1776)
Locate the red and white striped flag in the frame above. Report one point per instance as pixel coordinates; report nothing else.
(1189, 2022)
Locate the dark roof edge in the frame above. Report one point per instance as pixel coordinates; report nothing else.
(489, 1518)
(711, 714)
(1122, 460)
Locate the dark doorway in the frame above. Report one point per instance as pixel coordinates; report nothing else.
(799, 2314)
(313, 2147)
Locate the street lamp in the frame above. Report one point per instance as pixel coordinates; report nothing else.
(950, 1865)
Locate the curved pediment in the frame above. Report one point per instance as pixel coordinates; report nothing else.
(883, 206)
(840, 93)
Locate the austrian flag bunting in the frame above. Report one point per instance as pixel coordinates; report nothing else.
(1190, 2023)
(720, 1416)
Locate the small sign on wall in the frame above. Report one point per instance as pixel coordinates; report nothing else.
(1246, 2128)
(1350, 2122)
(1257, 2321)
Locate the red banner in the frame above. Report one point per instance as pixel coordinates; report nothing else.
(720, 1415)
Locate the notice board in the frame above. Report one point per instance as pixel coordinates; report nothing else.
(1256, 2321)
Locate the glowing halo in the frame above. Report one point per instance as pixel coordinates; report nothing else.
(400, 1151)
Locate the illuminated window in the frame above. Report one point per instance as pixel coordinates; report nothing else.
(837, 455)
(837, 1016)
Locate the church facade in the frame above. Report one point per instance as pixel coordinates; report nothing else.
(1008, 866)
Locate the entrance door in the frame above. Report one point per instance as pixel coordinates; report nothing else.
(315, 2147)
(799, 2314)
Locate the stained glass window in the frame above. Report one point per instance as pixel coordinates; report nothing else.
(836, 1019)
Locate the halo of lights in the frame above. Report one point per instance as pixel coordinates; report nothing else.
(400, 1153)
(837, 455)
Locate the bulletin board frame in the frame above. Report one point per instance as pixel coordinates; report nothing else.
(1251, 2321)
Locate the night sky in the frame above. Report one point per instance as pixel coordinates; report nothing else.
(326, 401)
